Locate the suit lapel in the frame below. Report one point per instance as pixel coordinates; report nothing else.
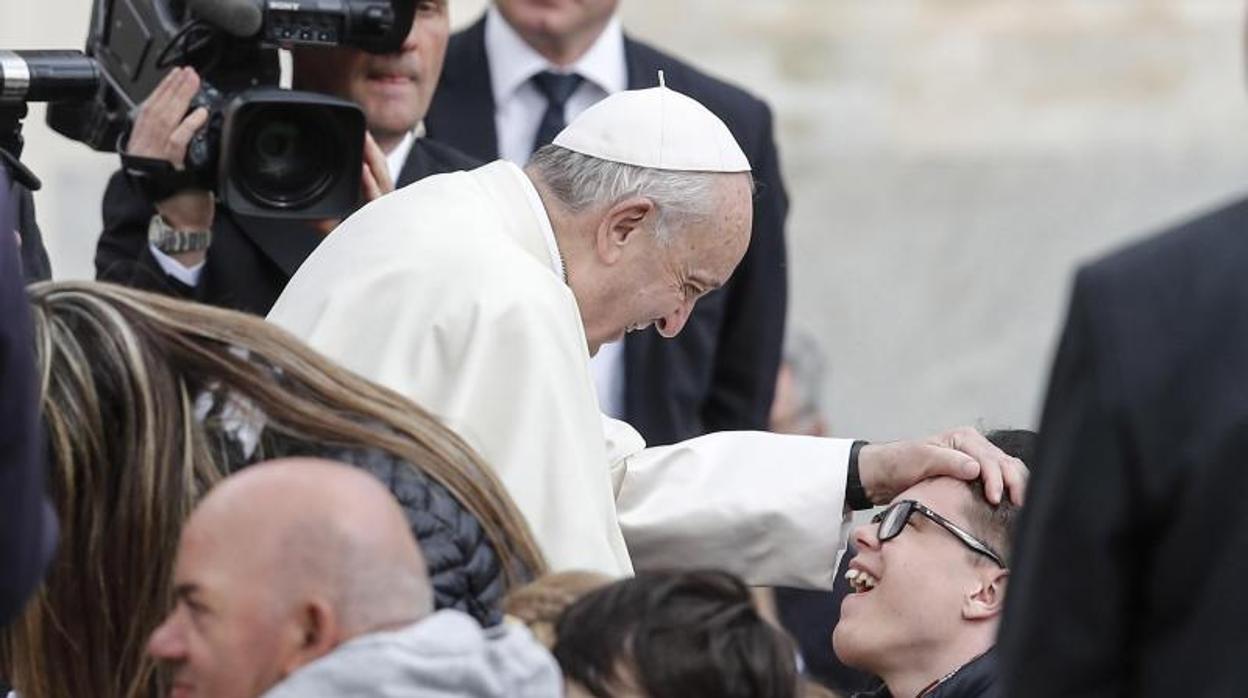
(287, 242)
(643, 65)
(462, 114)
(635, 66)
(417, 165)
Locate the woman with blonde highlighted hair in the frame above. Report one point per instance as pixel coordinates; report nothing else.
(148, 401)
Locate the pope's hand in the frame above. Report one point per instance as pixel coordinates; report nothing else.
(888, 468)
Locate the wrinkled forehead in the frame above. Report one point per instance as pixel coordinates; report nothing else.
(725, 234)
(946, 496)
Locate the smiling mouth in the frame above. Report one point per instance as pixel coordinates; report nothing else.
(860, 581)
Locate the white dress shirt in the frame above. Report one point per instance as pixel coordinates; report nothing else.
(518, 110)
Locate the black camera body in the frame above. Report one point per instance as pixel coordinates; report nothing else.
(289, 153)
(265, 151)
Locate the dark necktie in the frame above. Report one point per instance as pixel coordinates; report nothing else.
(556, 88)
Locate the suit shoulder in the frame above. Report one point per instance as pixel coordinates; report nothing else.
(720, 96)
(463, 48)
(447, 158)
(1211, 247)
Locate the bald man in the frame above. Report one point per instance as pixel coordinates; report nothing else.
(300, 577)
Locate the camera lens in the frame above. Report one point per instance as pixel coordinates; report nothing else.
(287, 157)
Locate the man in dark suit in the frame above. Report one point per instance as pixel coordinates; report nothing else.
(1131, 556)
(512, 80)
(27, 522)
(212, 255)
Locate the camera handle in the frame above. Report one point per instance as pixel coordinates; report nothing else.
(11, 142)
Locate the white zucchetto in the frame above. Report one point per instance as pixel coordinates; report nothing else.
(657, 128)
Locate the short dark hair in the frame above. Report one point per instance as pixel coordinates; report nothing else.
(683, 635)
(995, 523)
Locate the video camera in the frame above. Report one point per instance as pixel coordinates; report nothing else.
(265, 151)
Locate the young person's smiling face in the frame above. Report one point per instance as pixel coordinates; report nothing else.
(916, 594)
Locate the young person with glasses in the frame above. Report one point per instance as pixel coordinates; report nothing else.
(927, 590)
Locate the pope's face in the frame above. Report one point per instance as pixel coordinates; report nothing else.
(393, 89)
(658, 283)
(921, 578)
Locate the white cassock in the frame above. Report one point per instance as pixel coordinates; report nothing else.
(447, 291)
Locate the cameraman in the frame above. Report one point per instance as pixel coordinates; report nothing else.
(185, 245)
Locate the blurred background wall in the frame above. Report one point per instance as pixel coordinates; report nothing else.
(949, 163)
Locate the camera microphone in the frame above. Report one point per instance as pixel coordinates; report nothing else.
(240, 18)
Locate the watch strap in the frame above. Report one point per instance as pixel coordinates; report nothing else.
(170, 240)
(855, 496)
(158, 179)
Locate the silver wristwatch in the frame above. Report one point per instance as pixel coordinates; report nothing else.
(170, 240)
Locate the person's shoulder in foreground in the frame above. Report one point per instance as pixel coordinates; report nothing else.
(1144, 429)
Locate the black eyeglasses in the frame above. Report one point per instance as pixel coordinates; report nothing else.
(893, 519)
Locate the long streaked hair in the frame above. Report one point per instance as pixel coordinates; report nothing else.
(121, 372)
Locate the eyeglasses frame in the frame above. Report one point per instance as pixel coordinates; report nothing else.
(970, 541)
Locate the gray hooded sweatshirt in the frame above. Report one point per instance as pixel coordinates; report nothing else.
(446, 654)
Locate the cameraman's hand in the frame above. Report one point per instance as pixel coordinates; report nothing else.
(887, 469)
(375, 181)
(162, 130)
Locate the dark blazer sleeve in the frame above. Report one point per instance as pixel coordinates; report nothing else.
(747, 355)
(1067, 624)
(27, 526)
(122, 255)
(35, 263)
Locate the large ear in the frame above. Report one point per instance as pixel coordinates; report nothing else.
(315, 633)
(620, 224)
(987, 598)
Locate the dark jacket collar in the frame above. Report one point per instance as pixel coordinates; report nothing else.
(975, 679)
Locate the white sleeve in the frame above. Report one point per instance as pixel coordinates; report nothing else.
(172, 267)
(769, 508)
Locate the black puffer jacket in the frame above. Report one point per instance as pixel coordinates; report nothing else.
(466, 571)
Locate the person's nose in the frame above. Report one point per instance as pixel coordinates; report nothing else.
(167, 642)
(410, 41)
(671, 324)
(865, 537)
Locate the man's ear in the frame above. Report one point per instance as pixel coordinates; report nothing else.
(987, 598)
(315, 634)
(620, 224)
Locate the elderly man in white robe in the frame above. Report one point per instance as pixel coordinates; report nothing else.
(482, 295)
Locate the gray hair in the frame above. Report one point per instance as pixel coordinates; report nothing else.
(581, 181)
